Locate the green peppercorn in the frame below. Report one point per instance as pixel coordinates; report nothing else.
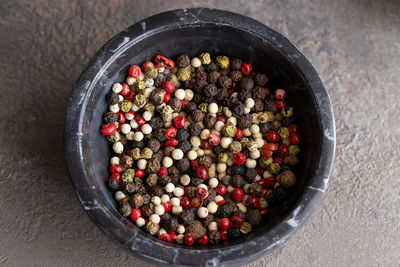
(125, 106)
(149, 107)
(140, 85)
(203, 107)
(211, 173)
(152, 228)
(263, 203)
(245, 228)
(235, 147)
(147, 153)
(140, 100)
(115, 137)
(205, 58)
(223, 62)
(293, 150)
(229, 130)
(265, 162)
(244, 141)
(227, 112)
(274, 168)
(222, 157)
(192, 191)
(151, 72)
(152, 180)
(136, 155)
(184, 73)
(278, 117)
(283, 132)
(167, 114)
(287, 112)
(128, 175)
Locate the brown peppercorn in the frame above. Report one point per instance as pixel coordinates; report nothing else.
(175, 179)
(214, 237)
(186, 217)
(224, 72)
(213, 77)
(275, 125)
(197, 229)
(239, 213)
(134, 187)
(201, 75)
(236, 64)
(173, 170)
(211, 196)
(265, 127)
(270, 197)
(291, 160)
(168, 150)
(182, 61)
(146, 197)
(197, 115)
(225, 210)
(154, 145)
(250, 174)
(259, 92)
(237, 181)
(205, 161)
(158, 156)
(110, 117)
(245, 121)
(246, 84)
(270, 105)
(126, 161)
(225, 82)
(157, 96)
(258, 105)
(279, 192)
(175, 104)
(209, 121)
(253, 216)
(157, 191)
(261, 79)
(168, 222)
(137, 201)
(164, 180)
(236, 76)
(210, 90)
(147, 209)
(190, 83)
(126, 210)
(287, 179)
(256, 189)
(238, 110)
(183, 164)
(123, 140)
(207, 220)
(199, 85)
(153, 165)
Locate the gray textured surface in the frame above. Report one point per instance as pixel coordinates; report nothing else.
(355, 47)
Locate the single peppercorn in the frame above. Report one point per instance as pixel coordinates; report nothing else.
(209, 121)
(113, 184)
(236, 64)
(247, 84)
(183, 164)
(197, 115)
(237, 181)
(154, 145)
(291, 160)
(236, 76)
(126, 210)
(186, 217)
(213, 77)
(256, 189)
(137, 201)
(157, 191)
(261, 79)
(279, 192)
(176, 104)
(182, 61)
(182, 135)
(214, 237)
(110, 117)
(126, 161)
(210, 90)
(250, 174)
(205, 161)
(184, 73)
(225, 82)
(185, 146)
(287, 179)
(168, 222)
(253, 216)
(164, 180)
(245, 121)
(148, 209)
(234, 232)
(270, 105)
(112, 98)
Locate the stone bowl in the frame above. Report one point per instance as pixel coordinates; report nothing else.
(192, 31)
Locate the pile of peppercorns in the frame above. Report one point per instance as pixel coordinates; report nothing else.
(201, 163)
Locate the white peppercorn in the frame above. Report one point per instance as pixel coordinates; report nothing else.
(167, 162)
(154, 218)
(180, 94)
(251, 163)
(213, 182)
(177, 154)
(140, 222)
(189, 94)
(119, 195)
(204, 134)
(170, 187)
(175, 201)
(164, 198)
(202, 212)
(147, 115)
(114, 108)
(118, 147)
(138, 136)
(125, 128)
(196, 62)
(212, 226)
(177, 209)
(212, 207)
(212, 108)
(156, 200)
(255, 154)
(249, 103)
(117, 87)
(218, 198)
(185, 179)
(195, 141)
(178, 192)
(159, 210)
(180, 229)
(192, 155)
(142, 164)
(134, 124)
(114, 160)
(225, 142)
(242, 207)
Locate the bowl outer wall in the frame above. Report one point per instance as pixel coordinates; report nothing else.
(137, 241)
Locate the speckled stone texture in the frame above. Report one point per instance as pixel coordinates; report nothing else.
(353, 44)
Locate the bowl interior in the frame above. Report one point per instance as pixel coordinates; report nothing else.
(192, 40)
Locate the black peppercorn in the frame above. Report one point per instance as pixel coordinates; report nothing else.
(156, 123)
(256, 189)
(210, 90)
(261, 79)
(185, 146)
(275, 125)
(243, 95)
(112, 98)
(238, 109)
(209, 121)
(190, 107)
(126, 161)
(236, 76)
(234, 232)
(239, 214)
(211, 67)
(133, 187)
(147, 209)
(218, 149)
(237, 181)
(182, 61)
(164, 180)
(186, 217)
(236, 64)
(245, 121)
(225, 82)
(213, 77)
(222, 94)
(110, 117)
(190, 83)
(173, 170)
(259, 92)
(201, 75)
(183, 134)
(250, 174)
(258, 105)
(138, 144)
(264, 127)
(291, 160)
(154, 145)
(195, 129)
(196, 181)
(279, 192)
(113, 184)
(157, 191)
(237, 169)
(126, 210)
(169, 223)
(270, 105)
(246, 84)
(175, 104)
(199, 85)
(153, 166)
(205, 161)
(224, 72)
(183, 164)
(175, 178)
(225, 210)
(253, 216)
(159, 134)
(197, 229)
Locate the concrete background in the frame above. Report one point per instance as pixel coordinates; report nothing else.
(355, 46)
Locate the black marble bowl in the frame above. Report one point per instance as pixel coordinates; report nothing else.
(192, 31)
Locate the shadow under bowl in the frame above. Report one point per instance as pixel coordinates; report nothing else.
(191, 32)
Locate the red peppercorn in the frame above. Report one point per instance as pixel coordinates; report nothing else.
(115, 168)
(184, 103)
(172, 142)
(147, 64)
(136, 213)
(237, 194)
(160, 61)
(188, 239)
(214, 139)
(139, 119)
(116, 176)
(293, 128)
(169, 87)
(173, 236)
(121, 117)
(239, 158)
(165, 237)
(261, 182)
(170, 64)
(134, 71)
(283, 150)
(236, 221)
(185, 202)
(280, 94)
(179, 121)
(194, 164)
(239, 133)
(250, 200)
(268, 150)
(224, 235)
(196, 202)
(270, 182)
(222, 201)
(230, 91)
(167, 98)
(202, 172)
(273, 136)
(125, 89)
(130, 96)
(130, 113)
(139, 173)
(224, 224)
(203, 240)
(221, 189)
(263, 211)
(294, 138)
(246, 68)
(167, 206)
(280, 103)
(207, 145)
(278, 160)
(221, 118)
(108, 129)
(171, 132)
(162, 172)
(260, 170)
(129, 151)
(202, 193)
(256, 203)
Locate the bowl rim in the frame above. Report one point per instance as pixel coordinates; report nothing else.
(257, 246)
